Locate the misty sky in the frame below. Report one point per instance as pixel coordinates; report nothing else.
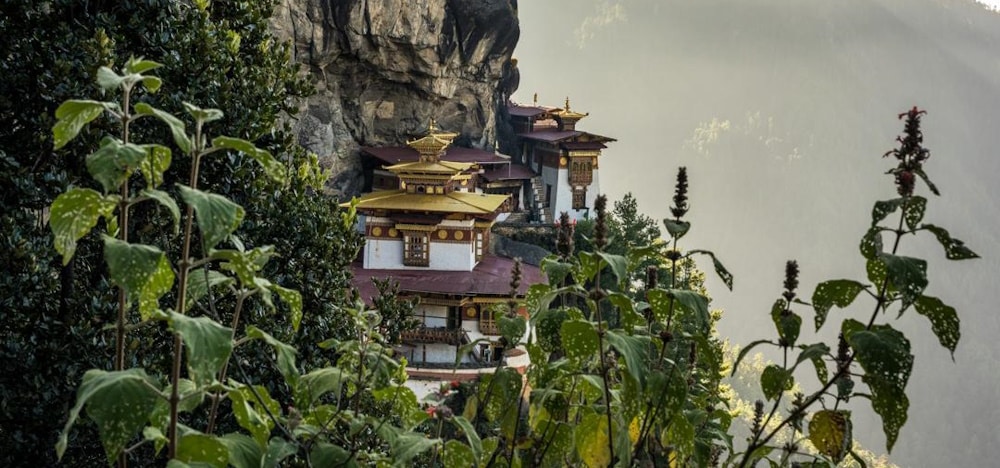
(781, 110)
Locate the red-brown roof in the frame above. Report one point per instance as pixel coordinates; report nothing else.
(491, 277)
(508, 172)
(583, 145)
(524, 111)
(402, 154)
(552, 136)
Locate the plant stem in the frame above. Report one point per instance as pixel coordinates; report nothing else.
(225, 366)
(604, 366)
(123, 235)
(185, 266)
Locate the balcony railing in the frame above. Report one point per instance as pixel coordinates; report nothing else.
(435, 335)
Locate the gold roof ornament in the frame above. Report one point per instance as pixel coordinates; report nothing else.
(432, 146)
(567, 114)
(535, 101)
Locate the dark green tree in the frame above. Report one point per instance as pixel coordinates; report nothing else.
(218, 54)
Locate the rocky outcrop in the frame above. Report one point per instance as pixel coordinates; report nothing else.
(383, 68)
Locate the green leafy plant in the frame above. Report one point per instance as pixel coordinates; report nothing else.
(324, 424)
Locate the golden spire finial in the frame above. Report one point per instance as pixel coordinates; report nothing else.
(432, 126)
(535, 100)
(567, 103)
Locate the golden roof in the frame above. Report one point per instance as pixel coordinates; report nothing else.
(453, 202)
(567, 114)
(433, 145)
(430, 167)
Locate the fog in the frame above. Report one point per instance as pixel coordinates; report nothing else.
(781, 110)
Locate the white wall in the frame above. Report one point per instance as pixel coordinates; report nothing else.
(450, 256)
(383, 254)
(562, 193)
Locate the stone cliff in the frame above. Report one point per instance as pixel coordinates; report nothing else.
(383, 68)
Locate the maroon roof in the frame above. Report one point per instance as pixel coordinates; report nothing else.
(583, 145)
(403, 154)
(508, 172)
(490, 277)
(556, 135)
(524, 111)
(550, 135)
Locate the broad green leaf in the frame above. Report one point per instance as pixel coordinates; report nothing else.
(720, 269)
(788, 323)
(72, 115)
(913, 211)
(243, 451)
(618, 264)
(107, 79)
(207, 344)
(155, 435)
(199, 282)
(871, 243)
(592, 441)
(253, 408)
(579, 338)
(177, 128)
(458, 454)
(274, 169)
(203, 448)
(696, 304)
(680, 433)
(317, 383)
(885, 208)
(954, 249)
(151, 83)
(245, 265)
(676, 229)
(884, 354)
(325, 454)
(830, 433)
(660, 301)
(927, 180)
(158, 159)
(140, 65)
(587, 268)
(217, 216)
(630, 318)
(876, 271)
(840, 293)
(512, 328)
(119, 403)
(73, 214)
(635, 350)
(165, 200)
(285, 354)
(907, 275)
(944, 321)
(815, 353)
(278, 450)
(470, 434)
(294, 300)
(408, 445)
(554, 270)
(775, 380)
(142, 270)
(191, 397)
(114, 162)
(745, 351)
(402, 402)
(203, 115)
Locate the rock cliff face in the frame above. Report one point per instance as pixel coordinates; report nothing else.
(383, 68)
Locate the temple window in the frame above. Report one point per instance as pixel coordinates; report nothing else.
(487, 324)
(416, 249)
(479, 246)
(581, 172)
(579, 198)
